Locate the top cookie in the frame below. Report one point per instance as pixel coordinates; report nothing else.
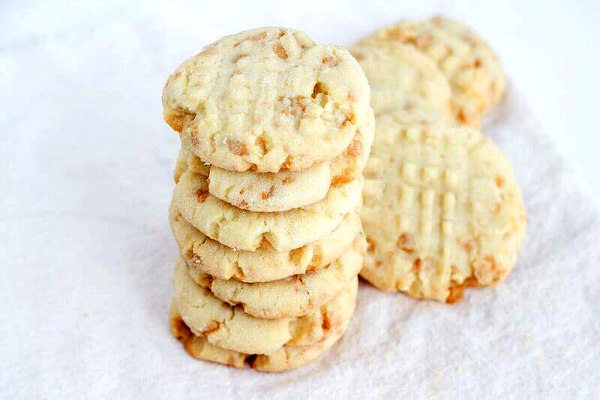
(267, 100)
(473, 70)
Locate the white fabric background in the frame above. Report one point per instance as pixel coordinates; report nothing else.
(87, 255)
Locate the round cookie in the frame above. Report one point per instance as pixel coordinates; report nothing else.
(286, 190)
(245, 230)
(476, 77)
(290, 297)
(231, 328)
(267, 100)
(206, 256)
(441, 211)
(335, 321)
(399, 73)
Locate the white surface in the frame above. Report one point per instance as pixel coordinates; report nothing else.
(87, 254)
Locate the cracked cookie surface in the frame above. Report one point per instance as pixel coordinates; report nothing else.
(266, 100)
(441, 210)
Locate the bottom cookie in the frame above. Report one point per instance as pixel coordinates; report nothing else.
(288, 357)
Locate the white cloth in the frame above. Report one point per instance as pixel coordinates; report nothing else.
(87, 255)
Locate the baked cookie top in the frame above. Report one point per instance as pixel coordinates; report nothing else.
(399, 73)
(441, 210)
(266, 100)
(473, 70)
(231, 328)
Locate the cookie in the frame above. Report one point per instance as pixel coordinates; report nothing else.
(335, 322)
(441, 211)
(290, 297)
(473, 70)
(400, 73)
(231, 328)
(266, 100)
(286, 190)
(204, 255)
(245, 230)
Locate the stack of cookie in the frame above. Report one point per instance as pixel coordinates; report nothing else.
(275, 132)
(442, 211)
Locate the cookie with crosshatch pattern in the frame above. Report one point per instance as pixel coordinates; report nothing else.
(266, 100)
(472, 68)
(441, 210)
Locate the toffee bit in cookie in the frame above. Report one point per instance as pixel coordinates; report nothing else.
(499, 181)
(355, 149)
(326, 325)
(371, 245)
(295, 107)
(330, 61)
(237, 57)
(318, 89)
(404, 243)
(262, 144)
(349, 119)
(280, 51)
(238, 148)
(269, 194)
(456, 290)
(201, 195)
